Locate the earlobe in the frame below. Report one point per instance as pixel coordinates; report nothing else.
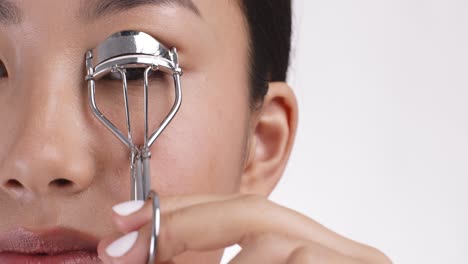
(271, 139)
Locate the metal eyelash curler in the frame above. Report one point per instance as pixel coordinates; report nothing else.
(129, 50)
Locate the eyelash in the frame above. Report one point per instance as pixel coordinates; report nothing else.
(3, 70)
(133, 75)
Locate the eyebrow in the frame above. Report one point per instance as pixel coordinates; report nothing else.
(98, 8)
(9, 13)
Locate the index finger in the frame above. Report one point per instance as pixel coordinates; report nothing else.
(129, 222)
(218, 224)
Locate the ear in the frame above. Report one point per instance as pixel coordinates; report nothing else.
(271, 137)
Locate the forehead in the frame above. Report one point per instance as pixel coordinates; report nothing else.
(65, 24)
(11, 12)
(15, 11)
(65, 12)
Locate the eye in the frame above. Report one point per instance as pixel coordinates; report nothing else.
(133, 74)
(3, 70)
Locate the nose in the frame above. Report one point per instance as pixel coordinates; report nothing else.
(47, 152)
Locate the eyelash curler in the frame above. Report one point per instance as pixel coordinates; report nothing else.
(135, 50)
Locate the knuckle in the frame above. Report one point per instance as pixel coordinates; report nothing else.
(307, 254)
(375, 256)
(265, 239)
(166, 236)
(167, 232)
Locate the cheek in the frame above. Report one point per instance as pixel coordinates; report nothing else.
(203, 148)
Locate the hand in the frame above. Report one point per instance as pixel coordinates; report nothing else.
(266, 232)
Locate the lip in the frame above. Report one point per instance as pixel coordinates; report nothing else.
(57, 245)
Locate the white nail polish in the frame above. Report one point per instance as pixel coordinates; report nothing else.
(121, 246)
(128, 208)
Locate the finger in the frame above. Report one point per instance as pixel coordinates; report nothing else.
(137, 215)
(132, 215)
(267, 248)
(213, 222)
(132, 247)
(314, 253)
(274, 248)
(129, 248)
(217, 225)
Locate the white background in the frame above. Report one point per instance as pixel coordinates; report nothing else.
(382, 150)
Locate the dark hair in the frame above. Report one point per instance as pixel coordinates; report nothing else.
(269, 24)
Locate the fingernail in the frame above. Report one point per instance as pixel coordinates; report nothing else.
(122, 245)
(128, 208)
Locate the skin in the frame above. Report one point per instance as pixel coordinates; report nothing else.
(213, 167)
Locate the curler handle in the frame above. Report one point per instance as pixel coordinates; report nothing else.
(146, 173)
(138, 180)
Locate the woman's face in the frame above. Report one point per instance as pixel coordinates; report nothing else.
(59, 167)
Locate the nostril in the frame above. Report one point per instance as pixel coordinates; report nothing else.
(13, 184)
(61, 183)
